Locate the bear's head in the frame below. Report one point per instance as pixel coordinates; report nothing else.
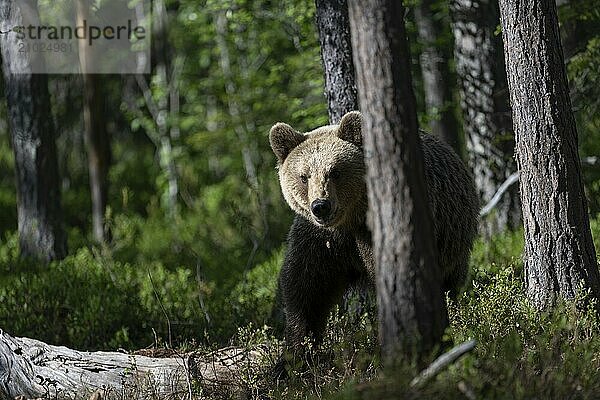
(322, 172)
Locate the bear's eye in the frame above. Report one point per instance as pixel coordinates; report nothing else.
(304, 179)
(334, 174)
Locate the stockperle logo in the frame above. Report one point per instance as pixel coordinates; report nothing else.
(77, 36)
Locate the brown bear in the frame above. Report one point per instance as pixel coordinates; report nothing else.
(328, 248)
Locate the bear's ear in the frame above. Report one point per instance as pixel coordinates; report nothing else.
(283, 139)
(350, 128)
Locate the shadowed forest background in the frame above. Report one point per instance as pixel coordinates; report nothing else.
(191, 239)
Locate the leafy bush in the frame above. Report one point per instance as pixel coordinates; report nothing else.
(254, 296)
(501, 249)
(120, 297)
(595, 227)
(348, 353)
(75, 302)
(92, 302)
(520, 353)
(523, 353)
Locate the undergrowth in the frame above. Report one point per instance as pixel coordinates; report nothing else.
(95, 300)
(520, 353)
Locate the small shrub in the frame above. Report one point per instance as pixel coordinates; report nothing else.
(253, 298)
(520, 353)
(499, 250)
(73, 302)
(88, 301)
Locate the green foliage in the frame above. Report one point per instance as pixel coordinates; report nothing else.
(220, 252)
(209, 272)
(89, 302)
(502, 249)
(580, 28)
(520, 353)
(348, 354)
(492, 309)
(523, 353)
(254, 295)
(585, 82)
(132, 294)
(8, 200)
(595, 228)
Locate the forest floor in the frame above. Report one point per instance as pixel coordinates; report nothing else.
(520, 353)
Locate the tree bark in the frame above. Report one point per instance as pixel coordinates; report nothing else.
(336, 54)
(485, 105)
(96, 135)
(35, 369)
(412, 313)
(436, 75)
(559, 253)
(41, 234)
(99, 151)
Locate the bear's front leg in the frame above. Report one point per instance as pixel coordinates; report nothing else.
(312, 281)
(306, 311)
(308, 298)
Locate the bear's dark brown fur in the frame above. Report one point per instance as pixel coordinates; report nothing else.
(322, 179)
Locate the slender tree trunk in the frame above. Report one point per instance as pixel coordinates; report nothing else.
(485, 106)
(96, 136)
(99, 152)
(41, 234)
(165, 145)
(559, 252)
(436, 75)
(412, 313)
(336, 55)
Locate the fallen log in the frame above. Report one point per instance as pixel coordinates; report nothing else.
(32, 369)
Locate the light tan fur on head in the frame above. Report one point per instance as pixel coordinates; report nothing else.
(326, 163)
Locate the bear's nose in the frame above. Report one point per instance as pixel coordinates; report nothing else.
(321, 208)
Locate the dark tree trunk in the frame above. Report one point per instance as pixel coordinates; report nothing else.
(436, 75)
(41, 234)
(412, 313)
(99, 153)
(559, 252)
(485, 105)
(336, 54)
(96, 136)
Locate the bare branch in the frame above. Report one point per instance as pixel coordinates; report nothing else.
(442, 362)
(150, 104)
(513, 178)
